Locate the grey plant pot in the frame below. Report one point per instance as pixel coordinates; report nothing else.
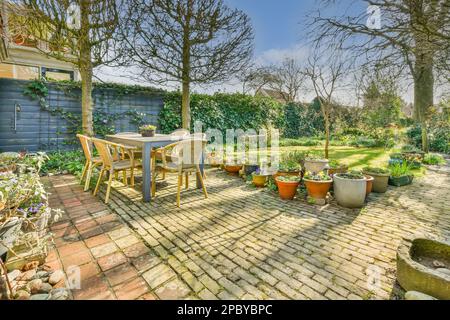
(315, 165)
(380, 182)
(349, 193)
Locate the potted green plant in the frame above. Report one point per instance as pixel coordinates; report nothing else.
(259, 178)
(334, 166)
(317, 184)
(400, 174)
(250, 168)
(380, 178)
(287, 186)
(147, 130)
(350, 189)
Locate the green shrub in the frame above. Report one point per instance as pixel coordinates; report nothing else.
(433, 159)
(300, 142)
(64, 161)
(400, 169)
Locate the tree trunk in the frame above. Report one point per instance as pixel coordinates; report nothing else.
(423, 94)
(327, 136)
(86, 70)
(186, 105)
(86, 101)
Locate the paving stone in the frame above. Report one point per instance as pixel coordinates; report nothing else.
(158, 275)
(173, 290)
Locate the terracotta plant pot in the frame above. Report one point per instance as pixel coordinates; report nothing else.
(349, 193)
(285, 174)
(369, 181)
(341, 169)
(287, 189)
(315, 165)
(148, 133)
(233, 169)
(380, 181)
(318, 189)
(259, 181)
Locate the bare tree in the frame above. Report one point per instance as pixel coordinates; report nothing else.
(411, 33)
(327, 73)
(255, 78)
(80, 32)
(287, 79)
(187, 41)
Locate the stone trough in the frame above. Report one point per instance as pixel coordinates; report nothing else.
(424, 265)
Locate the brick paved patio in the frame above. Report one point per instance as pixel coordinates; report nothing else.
(241, 243)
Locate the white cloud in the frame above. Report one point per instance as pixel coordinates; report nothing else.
(277, 55)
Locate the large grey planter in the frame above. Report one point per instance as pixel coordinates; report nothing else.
(313, 165)
(349, 193)
(415, 276)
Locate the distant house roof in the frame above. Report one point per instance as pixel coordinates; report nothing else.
(274, 94)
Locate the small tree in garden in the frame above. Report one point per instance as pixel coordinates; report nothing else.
(327, 75)
(287, 79)
(187, 41)
(411, 34)
(80, 32)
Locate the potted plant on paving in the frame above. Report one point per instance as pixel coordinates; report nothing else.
(250, 168)
(350, 189)
(380, 178)
(336, 167)
(401, 174)
(259, 178)
(317, 184)
(147, 130)
(369, 185)
(287, 186)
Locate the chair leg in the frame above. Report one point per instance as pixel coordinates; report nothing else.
(187, 180)
(180, 183)
(153, 183)
(132, 177)
(99, 181)
(108, 190)
(199, 175)
(124, 176)
(88, 177)
(85, 169)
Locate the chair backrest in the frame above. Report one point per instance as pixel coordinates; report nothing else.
(180, 133)
(86, 145)
(103, 149)
(188, 152)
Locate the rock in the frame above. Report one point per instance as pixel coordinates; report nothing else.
(41, 275)
(13, 275)
(30, 265)
(415, 295)
(438, 264)
(42, 296)
(22, 295)
(45, 279)
(56, 277)
(35, 285)
(45, 288)
(28, 275)
(444, 270)
(59, 294)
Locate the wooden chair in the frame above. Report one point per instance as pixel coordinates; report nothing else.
(177, 133)
(185, 157)
(113, 162)
(91, 162)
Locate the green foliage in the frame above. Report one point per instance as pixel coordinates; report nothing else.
(376, 170)
(302, 120)
(321, 176)
(220, 111)
(433, 159)
(354, 175)
(400, 169)
(64, 161)
(300, 142)
(288, 178)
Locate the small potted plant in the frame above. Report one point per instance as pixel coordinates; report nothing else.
(147, 130)
(250, 168)
(350, 189)
(335, 166)
(369, 186)
(317, 184)
(287, 186)
(380, 178)
(232, 168)
(259, 178)
(400, 174)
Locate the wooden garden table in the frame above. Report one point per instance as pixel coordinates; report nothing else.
(146, 144)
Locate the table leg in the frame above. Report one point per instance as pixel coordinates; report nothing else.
(146, 172)
(202, 168)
